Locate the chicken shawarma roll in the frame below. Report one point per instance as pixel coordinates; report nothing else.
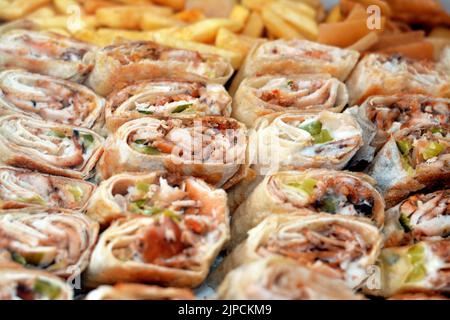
(23, 284)
(51, 240)
(277, 278)
(48, 147)
(48, 98)
(319, 190)
(422, 267)
(258, 96)
(420, 217)
(285, 141)
(128, 62)
(379, 74)
(338, 246)
(134, 291)
(212, 148)
(20, 188)
(171, 247)
(380, 116)
(45, 53)
(147, 194)
(293, 57)
(166, 98)
(414, 158)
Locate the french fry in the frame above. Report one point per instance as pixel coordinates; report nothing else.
(43, 12)
(440, 32)
(240, 15)
(11, 10)
(167, 39)
(383, 5)
(306, 25)
(190, 16)
(91, 36)
(150, 21)
(128, 17)
(113, 34)
(60, 31)
(278, 27)
(212, 8)
(300, 7)
(230, 41)
(366, 42)
(439, 44)
(415, 50)
(91, 6)
(256, 4)
(205, 31)
(175, 4)
(396, 39)
(254, 26)
(64, 6)
(358, 13)
(345, 33)
(334, 15)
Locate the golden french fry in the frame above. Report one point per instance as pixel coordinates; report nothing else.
(91, 6)
(175, 4)
(15, 9)
(254, 26)
(240, 15)
(190, 16)
(300, 7)
(205, 31)
(60, 31)
(46, 11)
(63, 22)
(128, 17)
(303, 23)
(91, 36)
(440, 32)
(64, 6)
(334, 15)
(150, 21)
(167, 39)
(212, 8)
(277, 27)
(256, 4)
(366, 42)
(230, 41)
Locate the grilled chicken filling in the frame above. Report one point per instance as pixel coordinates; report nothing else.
(208, 141)
(332, 247)
(29, 289)
(37, 189)
(58, 146)
(171, 98)
(343, 195)
(51, 100)
(184, 218)
(196, 63)
(53, 242)
(283, 93)
(425, 144)
(293, 49)
(427, 214)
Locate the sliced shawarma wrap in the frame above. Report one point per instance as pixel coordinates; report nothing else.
(338, 246)
(413, 159)
(380, 116)
(258, 96)
(49, 99)
(132, 61)
(318, 190)
(277, 278)
(379, 74)
(46, 53)
(56, 241)
(211, 148)
(20, 188)
(419, 217)
(166, 98)
(23, 284)
(422, 267)
(151, 193)
(48, 147)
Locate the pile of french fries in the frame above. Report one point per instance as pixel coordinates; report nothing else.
(346, 26)
(225, 27)
(230, 27)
